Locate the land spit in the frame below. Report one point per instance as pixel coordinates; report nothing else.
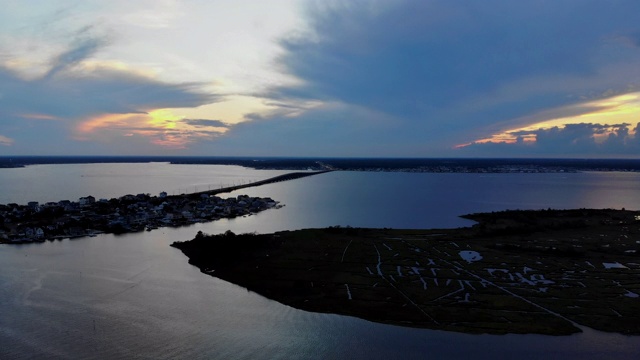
(36, 222)
(544, 272)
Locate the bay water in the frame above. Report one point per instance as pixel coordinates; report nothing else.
(133, 296)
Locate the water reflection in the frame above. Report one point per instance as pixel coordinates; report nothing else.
(134, 296)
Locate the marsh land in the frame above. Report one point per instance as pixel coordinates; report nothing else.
(545, 272)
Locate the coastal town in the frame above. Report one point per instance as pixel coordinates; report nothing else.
(35, 222)
(89, 216)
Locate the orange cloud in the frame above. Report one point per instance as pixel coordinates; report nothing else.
(610, 113)
(161, 127)
(106, 121)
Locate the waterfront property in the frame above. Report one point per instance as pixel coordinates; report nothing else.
(86, 217)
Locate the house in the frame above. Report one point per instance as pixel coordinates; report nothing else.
(29, 233)
(75, 231)
(127, 197)
(87, 201)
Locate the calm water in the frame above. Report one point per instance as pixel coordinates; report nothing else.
(45, 183)
(133, 296)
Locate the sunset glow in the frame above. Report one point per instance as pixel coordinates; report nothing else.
(611, 113)
(318, 78)
(160, 127)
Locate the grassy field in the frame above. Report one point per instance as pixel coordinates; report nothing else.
(545, 272)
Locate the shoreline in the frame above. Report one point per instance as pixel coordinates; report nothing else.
(420, 165)
(543, 272)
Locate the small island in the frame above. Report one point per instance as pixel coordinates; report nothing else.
(544, 272)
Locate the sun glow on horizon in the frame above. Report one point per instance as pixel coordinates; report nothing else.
(161, 127)
(611, 113)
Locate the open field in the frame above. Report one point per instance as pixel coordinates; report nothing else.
(546, 272)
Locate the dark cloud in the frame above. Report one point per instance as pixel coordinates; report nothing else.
(325, 131)
(74, 97)
(438, 52)
(85, 46)
(205, 123)
(453, 69)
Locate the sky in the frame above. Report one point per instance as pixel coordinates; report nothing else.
(369, 78)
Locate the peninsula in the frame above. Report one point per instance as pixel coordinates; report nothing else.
(544, 272)
(35, 222)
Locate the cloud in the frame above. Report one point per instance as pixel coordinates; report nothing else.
(205, 123)
(76, 96)
(583, 139)
(72, 93)
(455, 71)
(370, 78)
(5, 141)
(83, 49)
(160, 127)
(156, 14)
(332, 129)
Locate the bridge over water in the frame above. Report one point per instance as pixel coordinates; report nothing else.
(279, 178)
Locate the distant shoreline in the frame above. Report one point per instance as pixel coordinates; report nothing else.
(426, 165)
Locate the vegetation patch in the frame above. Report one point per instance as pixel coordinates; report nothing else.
(545, 272)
